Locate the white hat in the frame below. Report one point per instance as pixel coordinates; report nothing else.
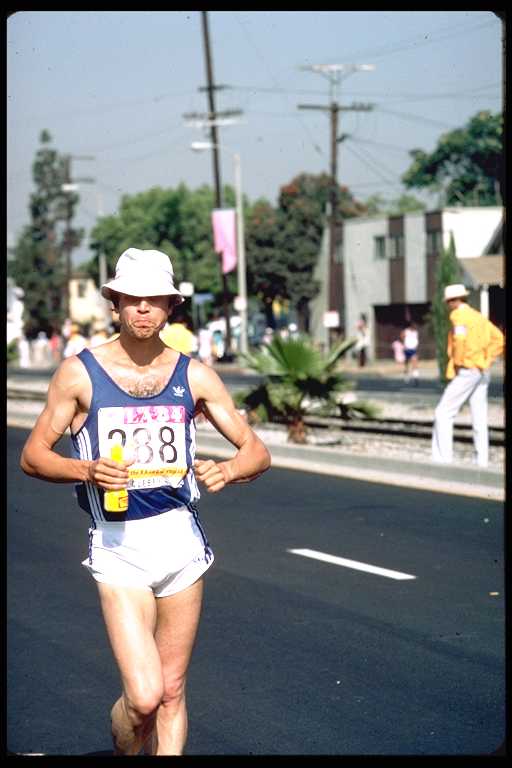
(142, 273)
(455, 291)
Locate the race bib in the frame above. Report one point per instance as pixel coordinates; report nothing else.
(153, 435)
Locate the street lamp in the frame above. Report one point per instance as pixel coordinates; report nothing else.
(69, 187)
(241, 302)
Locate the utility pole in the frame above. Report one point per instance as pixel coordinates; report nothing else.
(211, 107)
(102, 266)
(102, 262)
(334, 74)
(241, 265)
(68, 187)
(212, 120)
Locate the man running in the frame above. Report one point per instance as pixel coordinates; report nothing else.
(148, 560)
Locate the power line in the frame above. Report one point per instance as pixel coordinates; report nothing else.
(335, 73)
(147, 155)
(415, 95)
(277, 90)
(303, 125)
(387, 184)
(110, 107)
(129, 142)
(394, 147)
(415, 118)
(441, 96)
(369, 161)
(179, 131)
(419, 40)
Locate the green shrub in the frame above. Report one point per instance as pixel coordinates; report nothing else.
(298, 377)
(12, 351)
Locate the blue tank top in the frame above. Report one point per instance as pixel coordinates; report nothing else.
(158, 431)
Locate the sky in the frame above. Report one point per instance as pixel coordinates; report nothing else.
(113, 89)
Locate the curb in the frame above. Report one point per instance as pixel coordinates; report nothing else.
(460, 481)
(453, 479)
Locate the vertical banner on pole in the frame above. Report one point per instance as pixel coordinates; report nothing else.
(224, 237)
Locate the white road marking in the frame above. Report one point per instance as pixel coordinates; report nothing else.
(357, 566)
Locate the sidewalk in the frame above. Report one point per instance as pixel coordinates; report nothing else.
(336, 460)
(388, 369)
(428, 369)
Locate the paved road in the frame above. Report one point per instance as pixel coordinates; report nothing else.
(295, 656)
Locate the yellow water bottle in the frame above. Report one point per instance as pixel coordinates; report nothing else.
(116, 501)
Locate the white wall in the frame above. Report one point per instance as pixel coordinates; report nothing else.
(366, 278)
(472, 229)
(415, 261)
(318, 305)
(85, 309)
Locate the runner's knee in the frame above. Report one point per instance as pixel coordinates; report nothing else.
(174, 688)
(143, 702)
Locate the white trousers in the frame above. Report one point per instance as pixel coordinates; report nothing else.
(469, 384)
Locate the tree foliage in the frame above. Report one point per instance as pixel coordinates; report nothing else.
(376, 204)
(267, 267)
(176, 221)
(283, 243)
(466, 165)
(38, 266)
(295, 374)
(448, 272)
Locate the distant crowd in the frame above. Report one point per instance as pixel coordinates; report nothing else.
(49, 349)
(208, 343)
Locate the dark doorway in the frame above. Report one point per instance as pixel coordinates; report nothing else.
(390, 319)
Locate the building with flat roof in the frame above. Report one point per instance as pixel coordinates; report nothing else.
(385, 268)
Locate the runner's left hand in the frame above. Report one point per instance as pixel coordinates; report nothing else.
(211, 473)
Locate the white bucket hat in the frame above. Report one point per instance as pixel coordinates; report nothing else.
(455, 291)
(142, 273)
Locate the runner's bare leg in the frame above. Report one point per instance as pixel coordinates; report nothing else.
(176, 627)
(130, 618)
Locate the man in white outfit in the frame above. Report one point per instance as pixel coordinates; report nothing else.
(473, 345)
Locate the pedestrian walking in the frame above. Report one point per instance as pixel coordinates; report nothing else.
(76, 341)
(179, 335)
(473, 345)
(55, 345)
(41, 351)
(398, 352)
(205, 350)
(129, 405)
(410, 340)
(24, 352)
(99, 334)
(66, 328)
(218, 344)
(363, 341)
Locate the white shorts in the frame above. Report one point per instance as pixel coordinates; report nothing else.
(165, 553)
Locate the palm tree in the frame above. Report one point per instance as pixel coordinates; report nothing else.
(295, 374)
